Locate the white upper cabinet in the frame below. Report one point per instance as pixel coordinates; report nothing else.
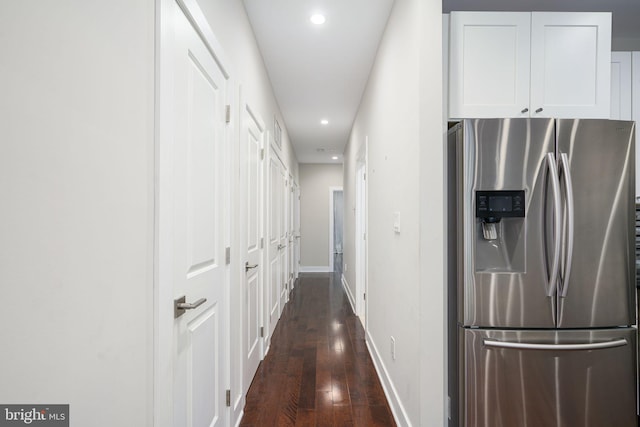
(522, 64)
(570, 64)
(620, 86)
(489, 64)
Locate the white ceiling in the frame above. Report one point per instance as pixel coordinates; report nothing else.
(319, 72)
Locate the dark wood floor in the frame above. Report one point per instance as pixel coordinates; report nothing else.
(318, 371)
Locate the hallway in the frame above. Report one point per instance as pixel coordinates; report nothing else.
(318, 370)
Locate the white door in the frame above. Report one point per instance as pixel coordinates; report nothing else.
(284, 241)
(570, 65)
(489, 64)
(296, 230)
(251, 145)
(198, 227)
(274, 196)
(361, 242)
(291, 248)
(620, 86)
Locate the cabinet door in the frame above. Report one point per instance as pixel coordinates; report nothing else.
(489, 64)
(635, 109)
(570, 64)
(620, 86)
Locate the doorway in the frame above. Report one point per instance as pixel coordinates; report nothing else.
(336, 221)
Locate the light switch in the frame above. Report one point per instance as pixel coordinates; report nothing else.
(396, 222)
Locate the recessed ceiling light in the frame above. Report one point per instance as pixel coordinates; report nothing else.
(318, 19)
(324, 121)
(335, 157)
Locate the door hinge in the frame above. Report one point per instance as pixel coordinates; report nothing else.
(228, 398)
(261, 331)
(227, 114)
(227, 256)
(364, 236)
(262, 243)
(364, 176)
(364, 296)
(262, 154)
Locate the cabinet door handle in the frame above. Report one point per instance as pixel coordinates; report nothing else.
(524, 110)
(539, 110)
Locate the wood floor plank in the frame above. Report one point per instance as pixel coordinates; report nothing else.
(318, 371)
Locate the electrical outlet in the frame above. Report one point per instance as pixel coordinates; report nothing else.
(393, 348)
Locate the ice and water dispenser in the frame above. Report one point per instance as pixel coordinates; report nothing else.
(500, 231)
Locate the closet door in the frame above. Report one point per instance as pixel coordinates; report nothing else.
(620, 86)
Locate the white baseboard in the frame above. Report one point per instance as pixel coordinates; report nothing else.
(266, 350)
(347, 291)
(399, 413)
(315, 269)
(240, 418)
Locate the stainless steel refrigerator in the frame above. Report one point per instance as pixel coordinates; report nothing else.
(541, 273)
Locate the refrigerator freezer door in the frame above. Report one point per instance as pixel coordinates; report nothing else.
(598, 269)
(504, 282)
(548, 378)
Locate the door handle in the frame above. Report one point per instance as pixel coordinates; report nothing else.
(524, 110)
(539, 110)
(181, 305)
(280, 247)
(248, 267)
(536, 346)
(555, 186)
(566, 175)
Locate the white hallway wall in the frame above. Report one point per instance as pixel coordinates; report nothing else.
(401, 114)
(76, 190)
(230, 24)
(315, 182)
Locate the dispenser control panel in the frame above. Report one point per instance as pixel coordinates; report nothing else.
(499, 204)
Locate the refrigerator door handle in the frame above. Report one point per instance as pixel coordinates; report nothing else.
(555, 186)
(566, 176)
(534, 346)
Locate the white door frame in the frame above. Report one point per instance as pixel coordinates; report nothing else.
(163, 319)
(361, 221)
(332, 191)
